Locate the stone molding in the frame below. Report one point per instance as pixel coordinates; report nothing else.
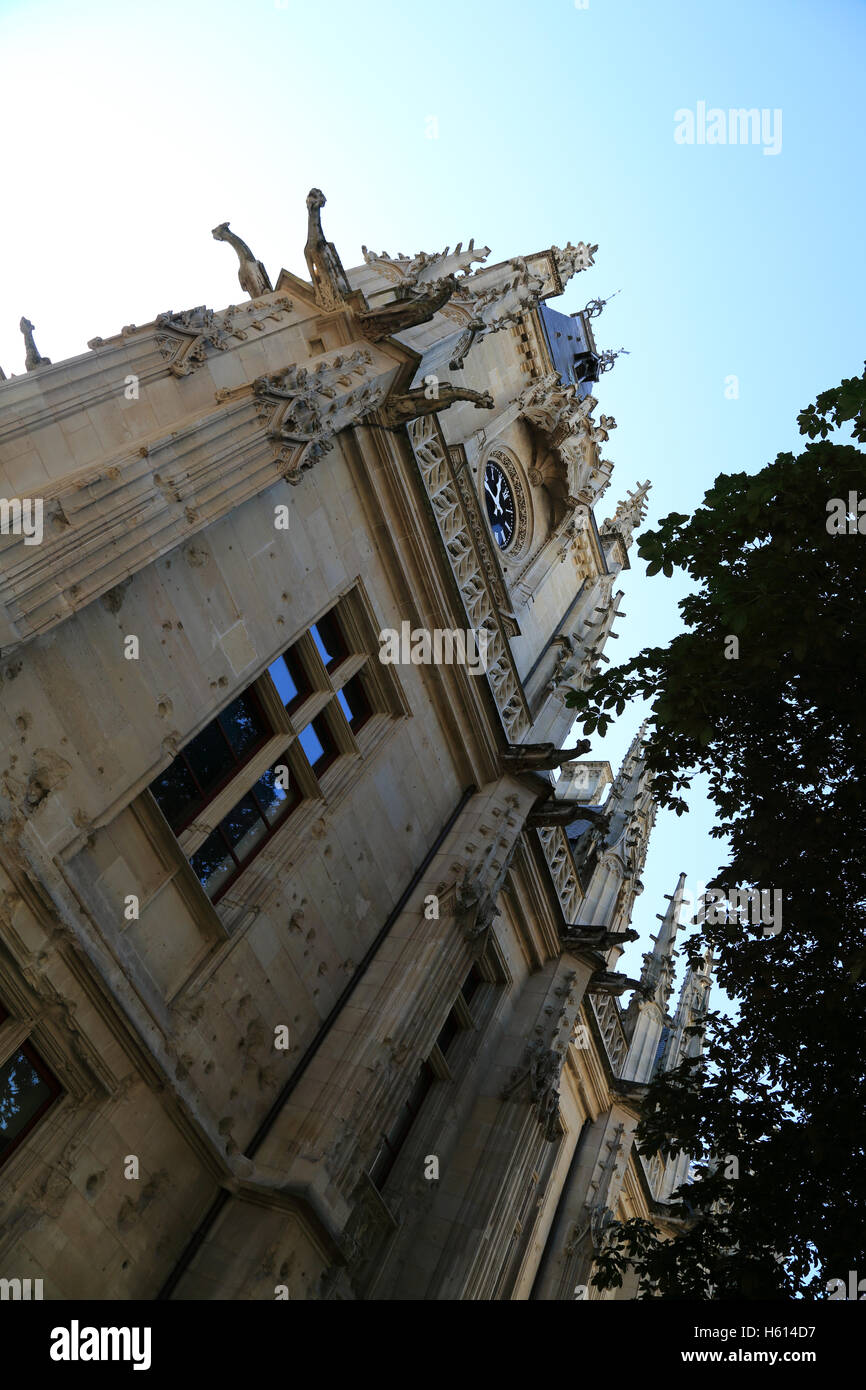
(465, 541)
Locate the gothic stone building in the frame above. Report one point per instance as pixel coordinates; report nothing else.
(308, 978)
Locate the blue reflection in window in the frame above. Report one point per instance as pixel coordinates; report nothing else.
(311, 744)
(327, 657)
(281, 677)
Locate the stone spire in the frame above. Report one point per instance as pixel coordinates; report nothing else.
(631, 812)
(571, 259)
(631, 764)
(647, 1015)
(691, 1008)
(628, 516)
(657, 975)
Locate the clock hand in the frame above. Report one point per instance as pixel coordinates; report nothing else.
(494, 497)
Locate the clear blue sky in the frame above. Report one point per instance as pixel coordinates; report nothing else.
(131, 130)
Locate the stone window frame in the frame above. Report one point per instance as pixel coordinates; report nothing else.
(223, 922)
(15, 1037)
(475, 1019)
(83, 1080)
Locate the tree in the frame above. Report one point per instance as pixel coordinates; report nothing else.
(778, 727)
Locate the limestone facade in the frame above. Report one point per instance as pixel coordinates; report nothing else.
(308, 979)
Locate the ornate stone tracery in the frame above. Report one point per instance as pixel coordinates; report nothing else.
(185, 338)
(303, 410)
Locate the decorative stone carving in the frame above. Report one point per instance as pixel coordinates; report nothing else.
(572, 469)
(541, 1069)
(571, 259)
(499, 296)
(552, 813)
(425, 269)
(414, 404)
(560, 862)
(303, 409)
(186, 337)
(33, 357)
(463, 344)
(541, 757)
(612, 1031)
(252, 275)
(405, 313)
(326, 269)
(476, 897)
(552, 407)
(577, 938)
(588, 639)
(610, 982)
(455, 507)
(629, 514)
(630, 1091)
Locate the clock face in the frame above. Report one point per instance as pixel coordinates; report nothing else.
(501, 511)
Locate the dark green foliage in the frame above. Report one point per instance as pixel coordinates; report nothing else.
(780, 732)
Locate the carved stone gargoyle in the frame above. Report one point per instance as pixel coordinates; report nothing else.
(611, 982)
(541, 1068)
(32, 358)
(541, 757)
(595, 938)
(634, 1091)
(406, 312)
(331, 286)
(252, 275)
(551, 813)
(399, 410)
(464, 343)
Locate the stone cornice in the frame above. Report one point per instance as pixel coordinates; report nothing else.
(173, 344)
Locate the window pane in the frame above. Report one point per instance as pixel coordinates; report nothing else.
(329, 639)
(23, 1092)
(311, 744)
(275, 792)
(449, 1031)
(209, 756)
(213, 864)
(242, 724)
(354, 703)
(473, 982)
(282, 678)
(243, 827)
(175, 793)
